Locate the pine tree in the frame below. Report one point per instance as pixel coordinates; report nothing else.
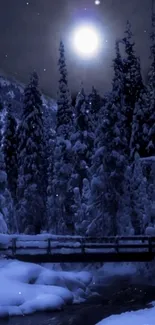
(81, 207)
(64, 112)
(137, 197)
(10, 152)
(82, 146)
(7, 221)
(62, 193)
(132, 69)
(50, 174)
(3, 225)
(150, 122)
(95, 104)
(143, 133)
(62, 214)
(3, 180)
(139, 135)
(31, 162)
(133, 84)
(82, 139)
(109, 161)
(50, 139)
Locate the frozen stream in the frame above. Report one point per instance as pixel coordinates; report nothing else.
(118, 296)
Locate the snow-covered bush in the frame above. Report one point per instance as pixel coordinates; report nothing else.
(150, 231)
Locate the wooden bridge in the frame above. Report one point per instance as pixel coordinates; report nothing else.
(46, 248)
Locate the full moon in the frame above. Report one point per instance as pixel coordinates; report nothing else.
(97, 2)
(86, 41)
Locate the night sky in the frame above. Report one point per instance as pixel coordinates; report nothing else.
(30, 32)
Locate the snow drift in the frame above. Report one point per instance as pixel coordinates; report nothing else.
(141, 317)
(27, 288)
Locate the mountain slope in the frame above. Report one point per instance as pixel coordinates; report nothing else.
(12, 91)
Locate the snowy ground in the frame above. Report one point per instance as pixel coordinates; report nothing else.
(112, 269)
(140, 317)
(26, 288)
(109, 271)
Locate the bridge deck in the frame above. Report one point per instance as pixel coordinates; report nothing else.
(86, 258)
(78, 249)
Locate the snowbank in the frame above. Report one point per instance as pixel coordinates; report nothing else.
(150, 231)
(140, 317)
(26, 288)
(112, 269)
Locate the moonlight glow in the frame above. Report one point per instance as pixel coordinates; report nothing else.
(97, 2)
(86, 41)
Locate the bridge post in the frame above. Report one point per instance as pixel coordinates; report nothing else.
(117, 244)
(14, 246)
(82, 246)
(49, 246)
(150, 244)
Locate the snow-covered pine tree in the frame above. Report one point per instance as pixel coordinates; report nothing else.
(109, 161)
(65, 110)
(150, 122)
(61, 214)
(3, 180)
(143, 127)
(137, 197)
(133, 83)
(81, 207)
(82, 139)
(50, 138)
(31, 162)
(3, 225)
(80, 157)
(139, 135)
(1, 105)
(77, 208)
(10, 151)
(7, 221)
(50, 175)
(95, 104)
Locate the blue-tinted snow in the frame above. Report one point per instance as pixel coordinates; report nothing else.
(140, 317)
(27, 288)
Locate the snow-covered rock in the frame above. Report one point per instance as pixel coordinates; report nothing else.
(27, 288)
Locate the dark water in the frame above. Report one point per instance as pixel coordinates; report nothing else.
(120, 295)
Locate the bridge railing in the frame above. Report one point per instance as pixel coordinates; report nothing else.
(118, 244)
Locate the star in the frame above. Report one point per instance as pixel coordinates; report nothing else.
(44, 69)
(27, 3)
